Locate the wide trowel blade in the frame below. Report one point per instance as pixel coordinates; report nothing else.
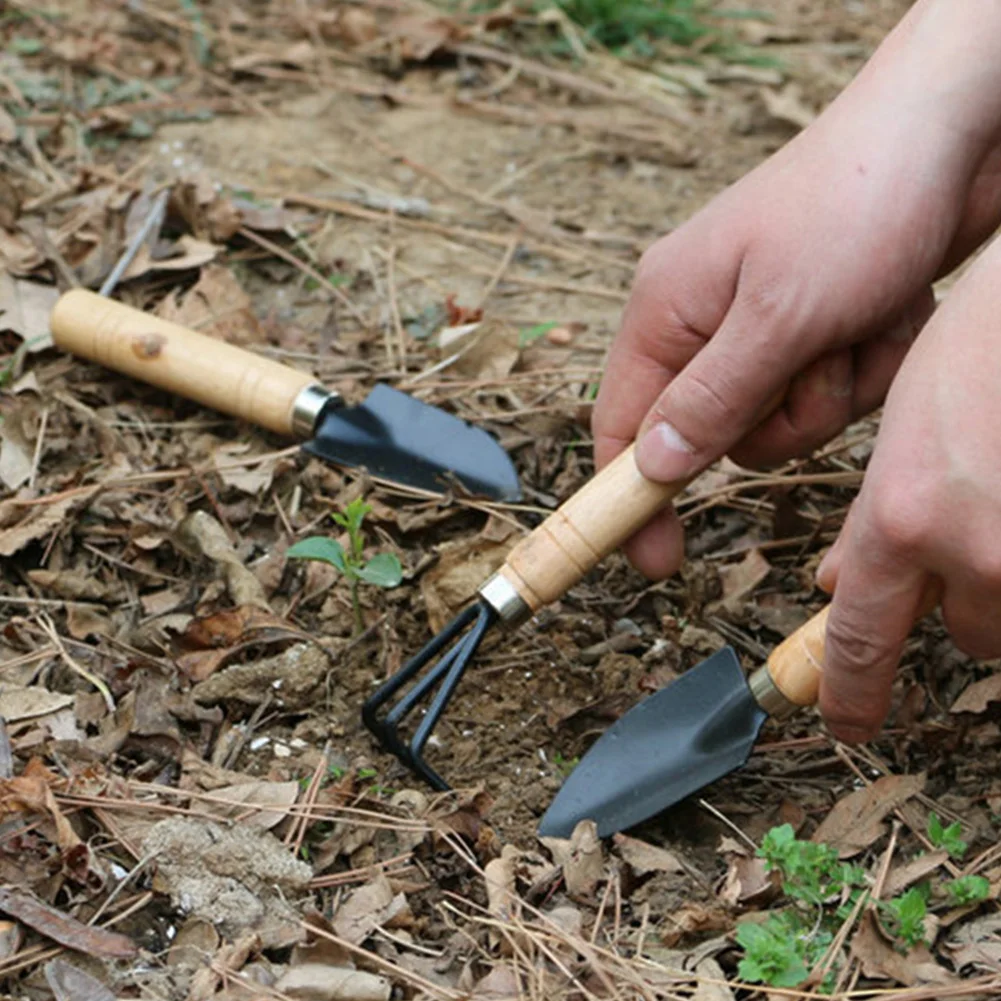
(398, 438)
(688, 734)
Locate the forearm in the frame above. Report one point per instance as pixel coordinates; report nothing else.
(940, 68)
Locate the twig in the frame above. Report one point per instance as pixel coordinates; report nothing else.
(499, 273)
(306, 269)
(37, 457)
(50, 630)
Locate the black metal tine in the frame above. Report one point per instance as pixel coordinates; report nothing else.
(389, 688)
(445, 675)
(465, 650)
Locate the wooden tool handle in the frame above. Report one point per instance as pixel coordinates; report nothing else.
(585, 529)
(201, 368)
(796, 663)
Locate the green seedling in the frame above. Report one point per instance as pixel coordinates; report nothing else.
(783, 949)
(946, 838)
(564, 765)
(968, 890)
(904, 916)
(382, 570)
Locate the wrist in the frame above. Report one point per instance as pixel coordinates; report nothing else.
(940, 71)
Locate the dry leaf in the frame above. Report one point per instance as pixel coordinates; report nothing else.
(16, 456)
(881, 960)
(251, 478)
(694, 918)
(18, 703)
(499, 876)
(643, 857)
(856, 821)
(740, 579)
(42, 519)
(201, 532)
(366, 909)
(69, 983)
(712, 983)
(500, 984)
(318, 982)
(218, 306)
(747, 881)
(188, 253)
(975, 698)
(61, 928)
(581, 857)
(461, 568)
(905, 875)
(72, 584)
(195, 944)
(977, 943)
(18, 253)
(487, 350)
(275, 798)
(25, 308)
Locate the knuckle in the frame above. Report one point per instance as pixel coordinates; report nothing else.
(709, 401)
(852, 646)
(900, 517)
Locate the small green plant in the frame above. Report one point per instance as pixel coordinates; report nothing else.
(811, 872)
(773, 953)
(382, 570)
(904, 916)
(783, 949)
(947, 838)
(564, 765)
(968, 890)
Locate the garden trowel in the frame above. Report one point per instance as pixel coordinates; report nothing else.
(691, 733)
(391, 434)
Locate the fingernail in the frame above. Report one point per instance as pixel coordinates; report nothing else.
(664, 455)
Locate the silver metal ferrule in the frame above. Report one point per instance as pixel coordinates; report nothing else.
(307, 408)
(768, 696)
(500, 594)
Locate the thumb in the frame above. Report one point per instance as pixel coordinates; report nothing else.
(714, 401)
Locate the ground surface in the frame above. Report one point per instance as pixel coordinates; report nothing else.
(348, 182)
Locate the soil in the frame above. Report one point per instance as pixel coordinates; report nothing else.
(260, 678)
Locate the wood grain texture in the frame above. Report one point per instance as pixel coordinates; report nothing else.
(163, 354)
(584, 530)
(795, 664)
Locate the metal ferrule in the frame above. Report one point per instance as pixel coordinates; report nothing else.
(768, 696)
(500, 594)
(307, 408)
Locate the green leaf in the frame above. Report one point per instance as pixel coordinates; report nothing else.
(968, 889)
(383, 569)
(319, 548)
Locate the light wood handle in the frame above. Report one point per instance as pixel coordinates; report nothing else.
(204, 369)
(796, 663)
(596, 520)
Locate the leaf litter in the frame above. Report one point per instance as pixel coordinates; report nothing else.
(440, 200)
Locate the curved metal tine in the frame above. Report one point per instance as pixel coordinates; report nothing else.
(464, 654)
(388, 728)
(389, 688)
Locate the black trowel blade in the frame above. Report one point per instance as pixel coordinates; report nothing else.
(690, 733)
(398, 438)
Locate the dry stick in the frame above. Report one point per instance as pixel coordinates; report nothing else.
(499, 272)
(454, 232)
(568, 81)
(598, 291)
(50, 630)
(294, 837)
(307, 269)
(37, 457)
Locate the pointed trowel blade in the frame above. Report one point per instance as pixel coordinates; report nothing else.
(690, 733)
(397, 437)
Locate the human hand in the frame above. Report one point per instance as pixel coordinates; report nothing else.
(928, 515)
(810, 276)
